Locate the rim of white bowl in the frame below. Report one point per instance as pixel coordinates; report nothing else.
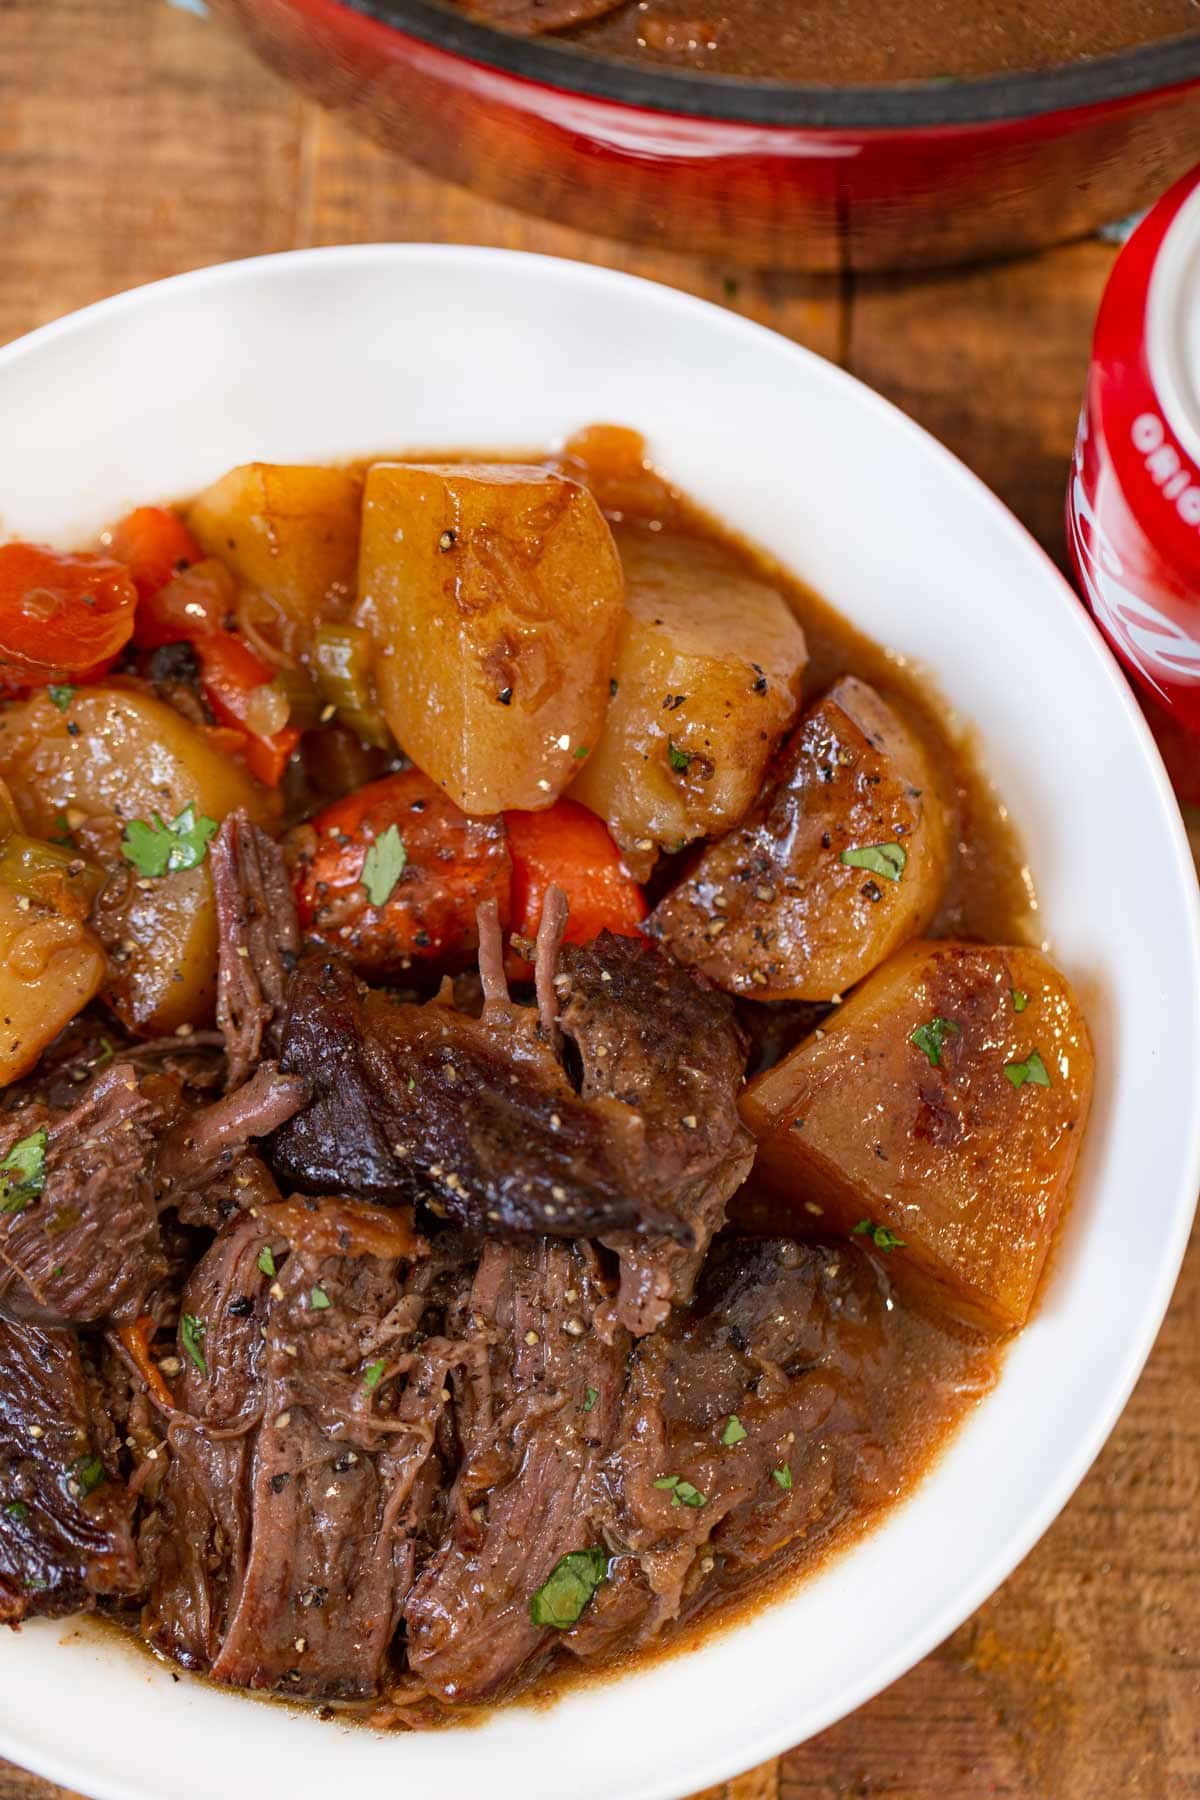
(69, 1767)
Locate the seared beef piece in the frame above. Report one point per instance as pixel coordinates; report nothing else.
(479, 1117)
(536, 1416)
(668, 1047)
(788, 1338)
(65, 1512)
(304, 1478)
(87, 1247)
(196, 1538)
(475, 1115)
(258, 940)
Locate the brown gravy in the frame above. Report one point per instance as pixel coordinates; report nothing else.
(848, 41)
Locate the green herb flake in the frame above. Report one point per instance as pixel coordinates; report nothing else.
(374, 1375)
(23, 1172)
(680, 760)
(682, 1492)
(191, 1331)
(266, 1260)
(590, 1398)
(16, 1509)
(581, 751)
(158, 849)
(574, 1579)
(105, 1056)
(882, 1236)
(383, 866)
(1032, 1070)
(887, 860)
(1020, 1001)
(62, 833)
(734, 1432)
(783, 1477)
(88, 1473)
(929, 1038)
(318, 1299)
(62, 696)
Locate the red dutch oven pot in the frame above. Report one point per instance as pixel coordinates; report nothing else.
(756, 172)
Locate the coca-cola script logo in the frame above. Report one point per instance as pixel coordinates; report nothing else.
(1158, 648)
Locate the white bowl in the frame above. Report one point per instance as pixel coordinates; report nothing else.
(333, 353)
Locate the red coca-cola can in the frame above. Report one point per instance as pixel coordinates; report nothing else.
(1133, 507)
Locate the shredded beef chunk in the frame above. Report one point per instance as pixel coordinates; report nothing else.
(87, 1246)
(258, 940)
(784, 1343)
(307, 1457)
(65, 1513)
(666, 1045)
(479, 1117)
(536, 1417)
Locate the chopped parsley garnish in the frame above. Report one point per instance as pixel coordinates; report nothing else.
(191, 1331)
(783, 1477)
(266, 1260)
(374, 1375)
(680, 760)
(887, 860)
(1020, 1001)
(734, 1432)
(106, 1055)
(882, 1236)
(89, 1472)
(16, 1509)
(383, 866)
(590, 1398)
(1033, 1069)
(23, 1172)
(581, 751)
(62, 696)
(159, 849)
(929, 1038)
(62, 833)
(574, 1579)
(683, 1493)
(318, 1299)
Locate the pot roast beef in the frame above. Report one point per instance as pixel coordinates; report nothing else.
(66, 1518)
(87, 1245)
(480, 1117)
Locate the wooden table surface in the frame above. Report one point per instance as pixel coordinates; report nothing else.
(137, 141)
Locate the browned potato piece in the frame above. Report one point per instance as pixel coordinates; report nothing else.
(708, 672)
(494, 595)
(844, 861)
(118, 754)
(290, 530)
(960, 1143)
(164, 973)
(50, 967)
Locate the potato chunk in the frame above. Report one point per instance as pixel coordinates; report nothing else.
(118, 754)
(844, 860)
(494, 595)
(290, 530)
(50, 967)
(943, 1103)
(708, 672)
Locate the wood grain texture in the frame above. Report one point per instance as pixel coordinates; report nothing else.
(137, 141)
